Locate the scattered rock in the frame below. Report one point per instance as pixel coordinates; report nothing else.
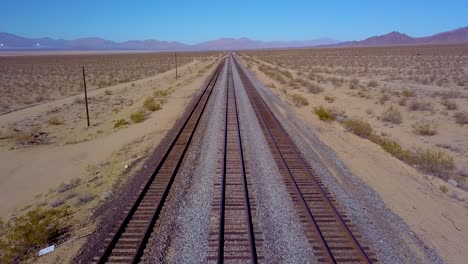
(106, 195)
(458, 196)
(453, 182)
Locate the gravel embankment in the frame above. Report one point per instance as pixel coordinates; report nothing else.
(182, 236)
(284, 239)
(387, 235)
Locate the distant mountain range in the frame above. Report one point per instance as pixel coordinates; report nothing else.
(13, 42)
(459, 35)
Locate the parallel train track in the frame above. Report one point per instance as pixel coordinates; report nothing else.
(334, 239)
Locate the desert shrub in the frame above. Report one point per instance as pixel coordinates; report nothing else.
(23, 137)
(84, 198)
(394, 148)
(425, 128)
(384, 98)
(161, 93)
(461, 118)
(54, 121)
(444, 188)
(323, 114)
(369, 111)
(314, 88)
(24, 235)
(354, 83)
(151, 104)
(408, 93)
(299, 100)
(358, 127)
(138, 117)
(436, 162)
(329, 99)
(108, 92)
(120, 122)
(450, 105)
(415, 105)
(392, 115)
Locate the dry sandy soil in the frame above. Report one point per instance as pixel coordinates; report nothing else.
(434, 209)
(64, 163)
(36, 78)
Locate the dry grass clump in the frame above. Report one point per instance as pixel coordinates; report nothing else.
(384, 98)
(461, 118)
(151, 104)
(392, 115)
(449, 105)
(323, 114)
(425, 128)
(436, 162)
(416, 105)
(23, 236)
(138, 116)
(120, 123)
(55, 121)
(358, 127)
(299, 100)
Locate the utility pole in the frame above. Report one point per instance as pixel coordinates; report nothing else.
(175, 56)
(86, 95)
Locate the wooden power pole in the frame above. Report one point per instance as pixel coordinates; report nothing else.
(86, 96)
(175, 57)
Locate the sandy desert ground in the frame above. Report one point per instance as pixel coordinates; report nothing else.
(50, 159)
(353, 89)
(36, 78)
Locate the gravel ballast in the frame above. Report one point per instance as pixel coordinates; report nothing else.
(284, 239)
(182, 236)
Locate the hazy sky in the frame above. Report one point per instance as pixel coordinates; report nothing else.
(196, 21)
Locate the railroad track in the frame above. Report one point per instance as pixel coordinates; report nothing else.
(127, 242)
(232, 237)
(334, 239)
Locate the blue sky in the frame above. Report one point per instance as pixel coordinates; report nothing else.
(196, 21)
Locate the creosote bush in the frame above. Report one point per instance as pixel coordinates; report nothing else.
(323, 114)
(314, 88)
(138, 117)
(151, 104)
(436, 162)
(425, 128)
(392, 115)
(24, 235)
(444, 188)
(415, 105)
(450, 105)
(299, 100)
(358, 127)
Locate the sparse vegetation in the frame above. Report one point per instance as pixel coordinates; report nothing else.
(358, 127)
(314, 88)
(151, 105)
(444, 188)
(461, 118)
(436, 162)
(392, 115)
(416, 105)
(425, 128)
(55, 121)
(120, 122)
(299, 100)
(24, 235)
(323, 114)
(450, 105)
(138, 116)
(329, 99)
